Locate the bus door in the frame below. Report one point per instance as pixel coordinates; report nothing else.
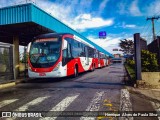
(99, 61)
(86, 54)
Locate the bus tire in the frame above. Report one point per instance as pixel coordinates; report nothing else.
(100, 67)
(75, 71)
(94, 66)
(91, 68)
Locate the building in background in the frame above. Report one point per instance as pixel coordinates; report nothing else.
(154, 47)
(143, 44)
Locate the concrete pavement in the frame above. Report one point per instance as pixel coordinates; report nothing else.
(101, 90)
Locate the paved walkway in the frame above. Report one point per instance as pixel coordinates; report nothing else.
(153, 94)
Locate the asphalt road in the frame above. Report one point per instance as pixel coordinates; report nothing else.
(101, 90)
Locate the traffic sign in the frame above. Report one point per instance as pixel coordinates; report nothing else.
(102, 34)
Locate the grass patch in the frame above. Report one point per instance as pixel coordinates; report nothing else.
(132, 75)
(131, 72)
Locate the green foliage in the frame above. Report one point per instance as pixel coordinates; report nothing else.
(131, 63)
(127, 46)
(148, 61)
(131, 72)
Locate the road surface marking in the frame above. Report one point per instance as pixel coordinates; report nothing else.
(6, 102)
(61, 106)
(94, 105)
(33, 102)
(125, 103)
(26, 106)
(156, 107)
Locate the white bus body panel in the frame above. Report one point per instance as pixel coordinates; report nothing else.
(61, 72)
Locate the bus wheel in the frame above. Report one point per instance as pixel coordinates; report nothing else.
(75, 71)
(92, 68)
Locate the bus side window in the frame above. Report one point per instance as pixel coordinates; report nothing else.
(82, 52)
(84, 49)
(69, 50)
(65, 53)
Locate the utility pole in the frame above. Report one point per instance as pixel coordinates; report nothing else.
(137, 56)
(154, 37)
(153, 29)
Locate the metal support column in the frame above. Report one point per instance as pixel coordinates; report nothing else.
(137, 56)
(16, 56)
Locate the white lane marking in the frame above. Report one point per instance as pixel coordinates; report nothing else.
(156, 106)
(125, 103)
(6, 102)
(33, 102)
(94, 105)
(26, 106)
(61, 106)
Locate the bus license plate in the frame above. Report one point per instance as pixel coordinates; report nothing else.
(42, 74)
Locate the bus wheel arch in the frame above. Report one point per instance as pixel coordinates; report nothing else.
(92, 67)
(75, 70)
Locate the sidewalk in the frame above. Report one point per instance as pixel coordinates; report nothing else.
(152, 94)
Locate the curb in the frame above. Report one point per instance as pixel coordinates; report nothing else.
(13, 83)
(7, 85)
(127, 72)
(18, 81)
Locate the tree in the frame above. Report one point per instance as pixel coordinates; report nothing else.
(149, 61)
(127, 46)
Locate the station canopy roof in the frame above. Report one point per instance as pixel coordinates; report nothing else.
(27, 21)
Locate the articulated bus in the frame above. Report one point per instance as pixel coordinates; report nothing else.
(59, 55)
(103, 60)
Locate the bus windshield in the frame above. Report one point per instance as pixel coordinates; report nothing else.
(45, 52)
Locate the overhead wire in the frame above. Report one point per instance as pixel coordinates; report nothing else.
(148, 34)
(148, 28)
(158, 24)
(158, 13)
(144, 27)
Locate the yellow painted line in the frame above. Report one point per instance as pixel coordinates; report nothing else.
(102, 118)
(7, 85)
(108, 105)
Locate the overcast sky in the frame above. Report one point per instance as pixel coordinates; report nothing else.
(119, 18)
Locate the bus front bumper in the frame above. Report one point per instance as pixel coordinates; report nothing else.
(52, 74)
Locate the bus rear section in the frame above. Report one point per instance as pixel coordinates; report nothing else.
(101, 60)
(58, 55)
(96, 58)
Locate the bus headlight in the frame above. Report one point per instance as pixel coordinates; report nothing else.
(57, 67)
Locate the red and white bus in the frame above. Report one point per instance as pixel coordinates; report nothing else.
(58, 55)
(102, 60)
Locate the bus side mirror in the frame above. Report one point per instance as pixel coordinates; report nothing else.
(64, 44)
